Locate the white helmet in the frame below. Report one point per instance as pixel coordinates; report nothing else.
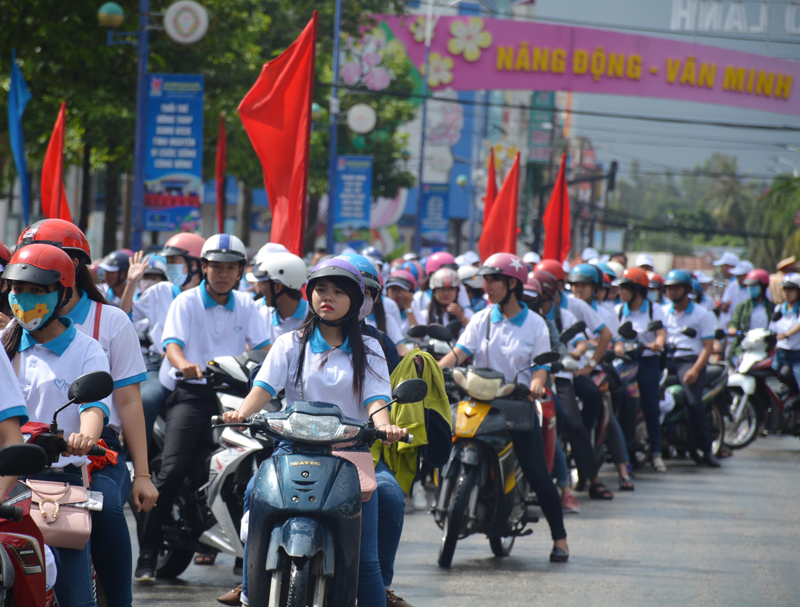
(224, 247)
(531, 258)
(467, 276)
(285, 268)
(444, 278)
(268, 249)
(791, 280)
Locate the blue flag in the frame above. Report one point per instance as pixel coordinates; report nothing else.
(18, 98)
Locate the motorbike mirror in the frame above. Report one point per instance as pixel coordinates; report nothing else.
(608, 356)
(22, 460)
(656, 325)
(91, 387)
(546, 359)
(572, 332)
(410, 391)
(418, 331)
(719, 334)
(454, 327)
(440, 333)
(778, 315)
(627, 331)
(689, 332)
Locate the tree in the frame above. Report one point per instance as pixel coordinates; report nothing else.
(778, 215)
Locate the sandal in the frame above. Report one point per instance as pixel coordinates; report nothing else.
(626, 484)
(598, 491)
(204, 558)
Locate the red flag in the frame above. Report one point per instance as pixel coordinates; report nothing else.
(219, 175)
(500, 228)
(491, 189)
(54, 195)
(276, 114)
(557, 220)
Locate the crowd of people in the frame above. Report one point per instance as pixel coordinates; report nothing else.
(334, 330)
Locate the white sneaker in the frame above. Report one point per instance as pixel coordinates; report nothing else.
(658, 464)
(419, 497)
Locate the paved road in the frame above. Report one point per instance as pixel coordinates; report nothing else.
(691, 537)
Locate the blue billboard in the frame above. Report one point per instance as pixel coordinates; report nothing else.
(352, 198)
(174, 152)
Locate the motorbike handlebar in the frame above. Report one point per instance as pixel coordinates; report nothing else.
(11, 513)
(96, 451)
(408, 438)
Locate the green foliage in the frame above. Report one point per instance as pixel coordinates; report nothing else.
(777, 214)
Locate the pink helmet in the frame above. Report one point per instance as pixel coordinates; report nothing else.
(437, 260)
(505, 264)
(403, 279)
(757, 277)
(532, 288)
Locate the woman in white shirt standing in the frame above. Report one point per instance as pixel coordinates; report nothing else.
(787, 327)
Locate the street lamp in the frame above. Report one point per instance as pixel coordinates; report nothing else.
(430, 23)
(111, 16)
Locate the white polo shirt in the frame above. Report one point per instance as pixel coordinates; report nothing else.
(277, 326)
(392, 328)
(333, 382)
(423, 298)
(583, 311)
(46, 372)
(13, 403)
(119, 341)
(512, 344)
(758, 319)
(789, 319)
(733, 294)
(153, 306)
(640, 319)
(393, 310)
(205, 329)
(696, 317)
(608, 316)
(567, 320)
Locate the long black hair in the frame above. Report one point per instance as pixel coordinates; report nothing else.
(86, 280)
(350, 330)
(379, 311)
(435, 314)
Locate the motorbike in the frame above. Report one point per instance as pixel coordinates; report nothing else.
(482, 489)
(756, 393)
(421, 337)
(304, 532)
(209, 507)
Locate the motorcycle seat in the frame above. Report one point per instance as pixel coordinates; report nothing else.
(713, 373)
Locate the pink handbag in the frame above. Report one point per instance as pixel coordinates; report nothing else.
(54, 510)
(366, 471)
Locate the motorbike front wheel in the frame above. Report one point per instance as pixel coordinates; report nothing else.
(501, 546)
(454, 518)
(739, 435)
(298, 583)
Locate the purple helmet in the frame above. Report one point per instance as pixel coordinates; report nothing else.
(336, 267)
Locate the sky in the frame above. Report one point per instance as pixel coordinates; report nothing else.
(659, 145)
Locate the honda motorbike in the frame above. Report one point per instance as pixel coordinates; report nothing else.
(209, 507)
(304, 533)
(757, 394)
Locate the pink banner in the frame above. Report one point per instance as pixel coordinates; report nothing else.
(469, 53)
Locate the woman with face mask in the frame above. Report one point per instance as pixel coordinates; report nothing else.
(756, 312)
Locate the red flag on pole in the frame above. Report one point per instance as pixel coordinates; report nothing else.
(500, 228)
(491, 189)
(219, 175)
(276, 114)
(557, 219)
(54, 194)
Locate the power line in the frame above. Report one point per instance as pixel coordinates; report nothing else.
(582, 127)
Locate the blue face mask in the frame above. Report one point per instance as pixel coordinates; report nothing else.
(654, 296)
(754, 291)
(176, 274)
(32, 311)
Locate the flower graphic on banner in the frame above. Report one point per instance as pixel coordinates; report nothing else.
(440, 70)
(364, 58)
(447, 118)
(468, 38)
(417, 27)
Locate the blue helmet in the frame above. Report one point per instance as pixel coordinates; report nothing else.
(697, 290)
(585, 272)
(606, 269)
(678, 277)
(364, 266)
(410, 267)
(374, 252)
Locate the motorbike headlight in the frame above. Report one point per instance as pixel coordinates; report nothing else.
(313, 428)
(26, 437)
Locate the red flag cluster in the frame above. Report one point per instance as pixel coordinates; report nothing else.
(557, 219)
(500, 227)
(54, 194)
(276, 113)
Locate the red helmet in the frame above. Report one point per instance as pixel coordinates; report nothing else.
(5, 255)
(41, 264)
(656, 281)
(61, 233)
(547, 281)
(505, 264)
(437, 260)
(185, 244)
(552, 266)
(757, 277)
(635, 276)
(532, 286)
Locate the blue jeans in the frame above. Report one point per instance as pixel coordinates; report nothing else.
(391, 513)
(74, 584)
(371, 592)
(648, 377)
(153, 396)
(560, 469)
(111, 542)
(787, 357)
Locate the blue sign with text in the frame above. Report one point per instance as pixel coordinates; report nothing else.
(352, 199)
(434, 221)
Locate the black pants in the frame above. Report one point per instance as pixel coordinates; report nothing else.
(187, 438)
(577, 432)
(694, 395)
(529, 448)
